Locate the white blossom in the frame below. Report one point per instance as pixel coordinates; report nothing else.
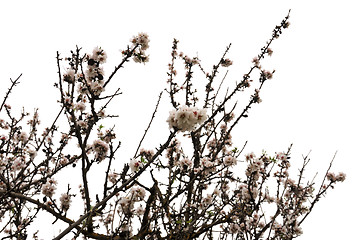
(137, 193)
(135, 165)
(142, 39)
(80, 106)
(230, 161)
(99, 55)
(186, 118)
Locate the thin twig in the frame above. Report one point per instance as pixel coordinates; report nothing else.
(13, 83)
(150, 123)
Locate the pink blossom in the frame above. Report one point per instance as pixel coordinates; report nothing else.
(186, 163)
(230, 161)
(250, 156)
(139, 211)
(331, 177)
(80, 106)
(67, 101)
(142, 39)
(99, 55)
(137, 193)
(255, 60)
(23, 137)
(63, 161)
(112, 177)
(269, 51)
(100, 148)
(18, 164)
(267, 74)
(146, 153)
(281, 156)
(3, 163)
(226, 62)
(48, 189)
(101, 113)
(341, 177)
(126, 205)
(65, 201)
(83, 124)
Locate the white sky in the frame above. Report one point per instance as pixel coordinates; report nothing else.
(313, 101)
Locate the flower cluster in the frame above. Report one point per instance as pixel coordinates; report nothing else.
(94, 72)
(187, 187)
(100, 149)
(80, 106)
(186, 118)
(207, 166)
(142, 40)
(106, 136)
(226, 62)
(99, 56)
(18, 163)
(230, 161)
(336, 178)
(136, 194)
(148, 154)
(22, 137)
(69, 76)
(267, 74)
(48, 189)
(65, 201)
(185, 164)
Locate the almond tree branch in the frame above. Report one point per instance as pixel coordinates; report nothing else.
(13, 84)
(150, 123)
(117, 190)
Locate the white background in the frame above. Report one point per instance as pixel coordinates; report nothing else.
(313, 101)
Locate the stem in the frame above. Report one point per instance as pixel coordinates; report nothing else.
(13, 83)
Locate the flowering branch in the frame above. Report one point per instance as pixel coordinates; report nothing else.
(186, 188)
(150, 123)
